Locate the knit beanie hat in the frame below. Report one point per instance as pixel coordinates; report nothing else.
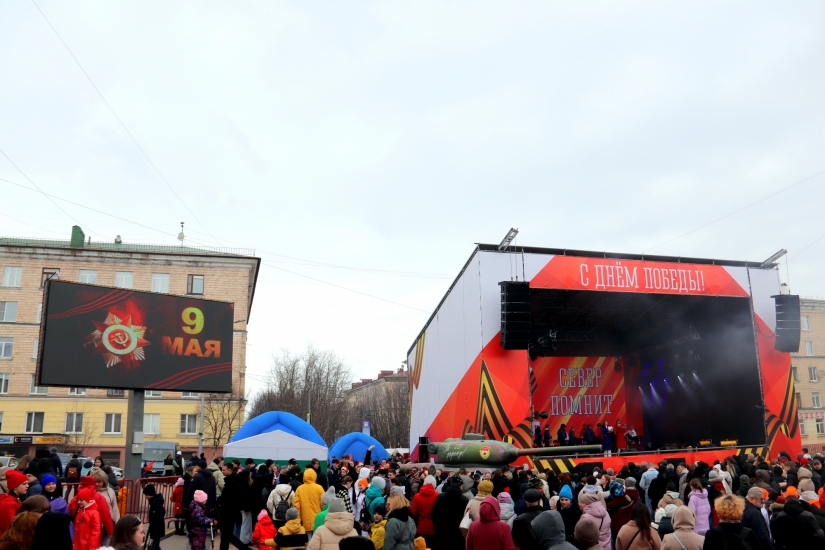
(505, 498)
(466, 483)
(803, 473)
(430, 480)
(200, 497)
(48, 478)
(364, 473)
(630, 482)
(588, 498)
(806, 485)
(566, 492)
(670, 509)
(262, 515)
(329, 495)
(397, 490)
(535, 483)
(291, 514)
(336, 505)
(485, 488)
(714, 474)
(378, 482)
(202, 464)
(381, 509)
(744, 479)
(87, 481)
(455, 479)
(531, 495)
(14, 479)
(363, 483)
(586, 533)
(99, 475)
(791, 491)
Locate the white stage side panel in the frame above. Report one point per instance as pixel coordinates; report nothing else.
(764, 284)
(740, 275)
(495, 268)
(452, 340)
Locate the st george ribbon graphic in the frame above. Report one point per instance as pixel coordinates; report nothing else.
(101, 337)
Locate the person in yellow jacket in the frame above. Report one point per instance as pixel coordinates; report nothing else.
(378, 527)
(308, 500)
(291, 527)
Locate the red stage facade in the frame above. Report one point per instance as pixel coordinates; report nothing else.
(632, 337)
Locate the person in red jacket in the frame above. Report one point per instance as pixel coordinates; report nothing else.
(102, 506)
(17, 484)
(86, 521)
(490, 533)
(422, 511)
(177, 500)
(264, 530)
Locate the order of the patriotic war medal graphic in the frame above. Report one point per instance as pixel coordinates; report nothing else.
(119, 341)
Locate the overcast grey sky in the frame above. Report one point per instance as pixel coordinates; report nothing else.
(393, 136)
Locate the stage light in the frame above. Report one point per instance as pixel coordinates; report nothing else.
(729, 443)
(705, 443)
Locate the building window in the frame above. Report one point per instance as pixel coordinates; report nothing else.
(812, 377)
(809, 348)
(194, 284)
(795, 374)
(39, 312)
(12, 276)
(189, 394)
(188, 423)
(798, 399)
(34, 389)
(4, 382)
(820, 426)
(6, 347)
(123, 279)
(806, 324)
(49, 273)
(77, 391)
(34, 422)
(1, 422)
(160, 282)
(36, 348)
(802, 428)
(111, 424)
(153, 393)
(8, 312)
(815, 402)
(88, 276)
(74, 423)
(115, 393)
(151, 424)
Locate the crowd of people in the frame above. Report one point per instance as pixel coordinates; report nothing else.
(741, 502)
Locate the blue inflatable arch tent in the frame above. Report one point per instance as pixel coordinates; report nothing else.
(279, 436)
(356, 443)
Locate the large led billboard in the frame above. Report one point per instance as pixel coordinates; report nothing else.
(101, 337)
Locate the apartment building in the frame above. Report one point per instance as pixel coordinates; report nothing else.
(93, 421)
(808, 370)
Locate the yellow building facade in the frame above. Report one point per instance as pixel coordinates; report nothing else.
(92, 421)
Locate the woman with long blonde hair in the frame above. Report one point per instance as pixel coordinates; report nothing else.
(399, 533)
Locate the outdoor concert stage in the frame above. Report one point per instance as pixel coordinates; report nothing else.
(682, 350)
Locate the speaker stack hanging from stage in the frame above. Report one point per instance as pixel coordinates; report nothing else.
(787, 322)
(515, 314)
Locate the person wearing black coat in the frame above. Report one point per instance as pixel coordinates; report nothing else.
(658, 488)
(157, 513)
(570, 516)
(447, 514)
(202, 481)
(257, 500)
(794, 528)
(753, 519)
(54, 460)
(229, 507)
(522, 531)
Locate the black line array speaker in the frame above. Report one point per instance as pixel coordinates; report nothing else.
(787, 322)
(423, 449)
(515, 314)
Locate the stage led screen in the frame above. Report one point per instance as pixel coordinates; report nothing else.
(101, 337)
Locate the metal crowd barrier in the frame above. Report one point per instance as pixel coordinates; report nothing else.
(132, 501)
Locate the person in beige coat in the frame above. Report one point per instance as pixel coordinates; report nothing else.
(485, 489)
(337, 525)
(102, 486)
(683, 524)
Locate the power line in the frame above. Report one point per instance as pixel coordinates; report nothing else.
(115, 114)
(763, 199)
(345, 288)
(38, 188)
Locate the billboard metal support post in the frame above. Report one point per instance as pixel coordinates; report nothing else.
(134, 435)
(200, 435)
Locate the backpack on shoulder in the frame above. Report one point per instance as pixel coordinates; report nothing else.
(282, 508)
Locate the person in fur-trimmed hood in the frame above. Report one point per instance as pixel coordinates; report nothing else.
(671, 497)
(683, 535)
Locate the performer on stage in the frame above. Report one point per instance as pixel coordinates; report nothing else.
(620, 431)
